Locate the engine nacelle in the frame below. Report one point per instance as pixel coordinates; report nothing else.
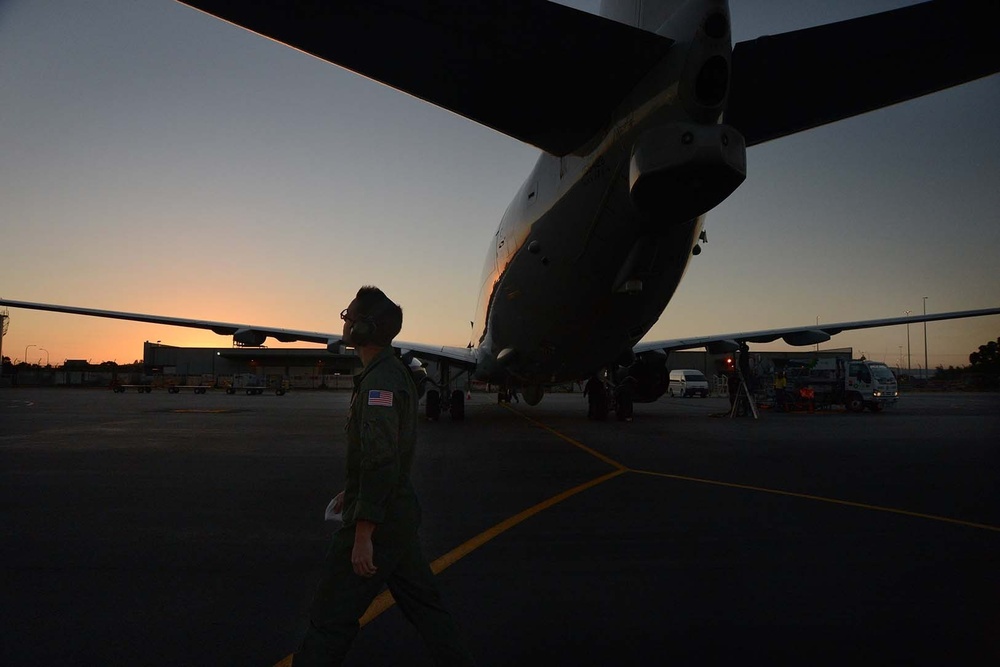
(532, 394)
(249, 338)
(650, 375)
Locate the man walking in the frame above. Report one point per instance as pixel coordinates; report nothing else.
(378, 543)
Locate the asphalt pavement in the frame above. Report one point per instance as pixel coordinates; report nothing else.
(183, 529)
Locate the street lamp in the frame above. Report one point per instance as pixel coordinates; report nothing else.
(26, 352)
(926, 367)
(909, 359)
(42, 349)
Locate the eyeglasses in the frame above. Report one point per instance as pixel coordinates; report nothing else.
(343, 316)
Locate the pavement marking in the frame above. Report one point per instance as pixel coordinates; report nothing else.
(834, 501)
(805, 496)
(384, 600)
(575, 443)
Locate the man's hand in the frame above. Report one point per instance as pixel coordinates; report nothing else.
(362, 556)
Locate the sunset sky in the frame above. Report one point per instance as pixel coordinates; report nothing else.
(156, 160)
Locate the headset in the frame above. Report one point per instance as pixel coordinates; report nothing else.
(362, 330)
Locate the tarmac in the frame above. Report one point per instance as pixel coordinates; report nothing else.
(183, 529)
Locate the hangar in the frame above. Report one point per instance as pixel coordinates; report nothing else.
(300, 368)
(317, 368)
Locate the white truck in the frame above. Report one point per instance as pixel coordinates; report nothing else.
(854, 383)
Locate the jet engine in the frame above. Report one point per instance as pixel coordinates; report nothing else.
(650, 376)
(249, 338)
(532, 394)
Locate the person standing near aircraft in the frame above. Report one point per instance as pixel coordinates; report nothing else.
(378, 544)
(596, 397)
(780, 382)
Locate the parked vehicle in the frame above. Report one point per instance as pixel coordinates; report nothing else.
(854, 383)
(687, 382)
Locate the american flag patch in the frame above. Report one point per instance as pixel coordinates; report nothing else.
(380, 397)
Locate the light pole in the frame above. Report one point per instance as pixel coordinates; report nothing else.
(926, 367)
(26, 352)
(909, 359)
(42, 349)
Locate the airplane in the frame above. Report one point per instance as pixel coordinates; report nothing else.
(640, 139)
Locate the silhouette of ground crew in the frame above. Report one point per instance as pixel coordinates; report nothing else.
(597, 398)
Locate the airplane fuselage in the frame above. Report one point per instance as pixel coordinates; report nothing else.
(577, 272)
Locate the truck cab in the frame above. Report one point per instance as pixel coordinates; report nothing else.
(854, 383)
(870, 384)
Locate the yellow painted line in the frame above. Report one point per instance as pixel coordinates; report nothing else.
(611, 462)
(384, 600)
(834, 501)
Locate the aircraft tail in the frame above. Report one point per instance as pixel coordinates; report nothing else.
(646, 15)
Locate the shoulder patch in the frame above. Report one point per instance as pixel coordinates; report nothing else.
(380, 397)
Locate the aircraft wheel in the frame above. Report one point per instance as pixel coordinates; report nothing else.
(433, 405)
(457, 406)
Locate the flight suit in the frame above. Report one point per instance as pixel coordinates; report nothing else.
(381, 434)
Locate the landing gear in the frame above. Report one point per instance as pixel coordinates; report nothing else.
(457, 407)
(433, 404)
(452, 401)
(597, 398)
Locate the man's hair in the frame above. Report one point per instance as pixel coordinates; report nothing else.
(372, 303)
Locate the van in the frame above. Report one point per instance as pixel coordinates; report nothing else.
(687, 382)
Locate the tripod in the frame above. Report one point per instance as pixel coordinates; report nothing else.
(743, 403)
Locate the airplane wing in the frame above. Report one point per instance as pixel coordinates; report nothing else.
(807, 335)
(244, 334)
(460, 357)
(794, 81)
(480, 59)
(253, 335)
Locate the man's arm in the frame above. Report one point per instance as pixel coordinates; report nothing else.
(363, 553)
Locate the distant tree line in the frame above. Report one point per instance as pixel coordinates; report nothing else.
(982, 373)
